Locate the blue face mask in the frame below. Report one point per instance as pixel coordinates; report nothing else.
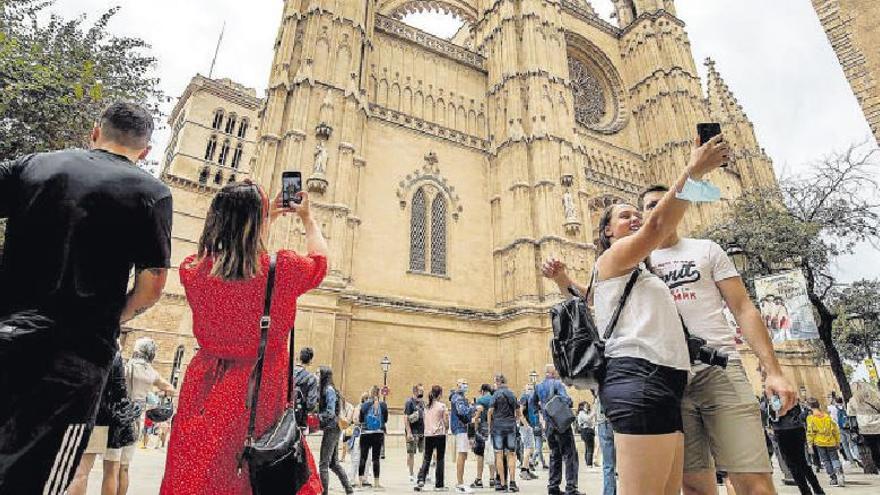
(699, 191)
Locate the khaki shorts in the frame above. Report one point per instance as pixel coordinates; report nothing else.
(98, 440)
(416, 444)
(722, 421)
(122, 456)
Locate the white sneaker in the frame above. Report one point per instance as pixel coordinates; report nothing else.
(463, 489)
(412, 480)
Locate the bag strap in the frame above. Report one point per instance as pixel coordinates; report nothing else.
(257, 372)
(626, 292)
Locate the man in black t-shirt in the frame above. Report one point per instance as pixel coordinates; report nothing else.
(504, 414)
(414, 424)
(78, 222)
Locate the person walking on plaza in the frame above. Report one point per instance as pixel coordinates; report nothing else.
(460, 415)
(503, 417)
(647, 356)
(436, 424)
(482, 441)
(526, 434)
(586, 424)
(824, 434)
(306, 386)
(373, 417)
(789, 431)
(78, 221)
(606, 447)
(232, 265)
(329, 408)
(414, 427)
(534, 417)
(140, 379)
(864, 406)
(562, 447)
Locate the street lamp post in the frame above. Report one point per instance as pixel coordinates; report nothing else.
(386, 365)
(533, 377)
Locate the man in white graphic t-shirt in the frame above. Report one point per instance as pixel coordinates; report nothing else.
(722, 420)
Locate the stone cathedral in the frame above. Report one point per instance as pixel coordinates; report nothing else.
(443, 171)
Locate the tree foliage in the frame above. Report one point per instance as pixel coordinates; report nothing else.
(857, 329)
(806, 223)
(56, 75)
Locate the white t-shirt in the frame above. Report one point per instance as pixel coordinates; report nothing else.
(690, 269)
(648, 327)
(140, 378)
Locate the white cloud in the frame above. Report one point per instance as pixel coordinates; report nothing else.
(774, 56)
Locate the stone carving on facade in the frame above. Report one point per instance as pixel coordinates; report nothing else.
(304, 73)
(429, 173)
(572, 221)
(432, 43)
(317, 182)
(431, 128)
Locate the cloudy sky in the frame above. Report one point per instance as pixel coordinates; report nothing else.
(773, 55)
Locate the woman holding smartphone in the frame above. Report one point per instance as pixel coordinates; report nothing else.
(647, 356)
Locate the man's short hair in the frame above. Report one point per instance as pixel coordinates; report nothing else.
(500, 378)
(813, 403)
(486, 388)
(416, 387)
(305, 355)
(127, 124)
(651, 189)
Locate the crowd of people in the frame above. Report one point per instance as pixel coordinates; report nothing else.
(673, 412)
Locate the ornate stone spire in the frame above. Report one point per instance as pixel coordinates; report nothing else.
(723, 106)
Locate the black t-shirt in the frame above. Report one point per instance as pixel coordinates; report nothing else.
(78, 222)
(505, 405)
(412, 405)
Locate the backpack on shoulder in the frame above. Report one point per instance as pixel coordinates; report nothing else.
(373, 419)
(577, 348)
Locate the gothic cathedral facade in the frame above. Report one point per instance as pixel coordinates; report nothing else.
(443, 172)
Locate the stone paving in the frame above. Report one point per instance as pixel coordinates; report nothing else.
(148, 466)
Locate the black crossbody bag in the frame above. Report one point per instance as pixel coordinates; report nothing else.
(577, 349)
(276, 460)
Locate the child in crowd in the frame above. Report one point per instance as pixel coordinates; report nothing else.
(824, 434)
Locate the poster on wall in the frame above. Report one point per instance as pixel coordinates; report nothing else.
(785, 306)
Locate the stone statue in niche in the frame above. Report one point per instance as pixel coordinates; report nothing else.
(568, 206)
(320, 158)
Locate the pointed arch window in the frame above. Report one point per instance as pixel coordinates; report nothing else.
(230, 123)
(417, 232)
(438, 235)
(224, 153)
(203, 175)
(236, 155)
(211, 148)
(218, 119)
(243, 127)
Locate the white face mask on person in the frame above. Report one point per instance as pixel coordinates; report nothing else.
(463, 387)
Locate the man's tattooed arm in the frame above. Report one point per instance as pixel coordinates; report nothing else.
(148, 285)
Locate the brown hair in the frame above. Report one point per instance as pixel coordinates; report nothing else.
(604, 240)
(649, 190)
(232, 236)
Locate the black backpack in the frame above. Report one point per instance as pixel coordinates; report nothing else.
(577, 349)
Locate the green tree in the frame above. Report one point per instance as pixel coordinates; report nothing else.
(806, 223)
(56, 75)
(857, 330)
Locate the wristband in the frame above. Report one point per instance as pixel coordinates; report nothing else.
(699, 191)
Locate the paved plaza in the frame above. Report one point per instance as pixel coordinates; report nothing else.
(148, 466)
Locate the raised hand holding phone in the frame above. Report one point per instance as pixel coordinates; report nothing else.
(291, 186)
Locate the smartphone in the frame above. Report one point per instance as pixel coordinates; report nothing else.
(707, 131)
(291, 184)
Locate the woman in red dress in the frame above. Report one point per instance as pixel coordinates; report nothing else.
(225, 284)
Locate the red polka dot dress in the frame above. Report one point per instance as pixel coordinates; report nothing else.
(211, 421)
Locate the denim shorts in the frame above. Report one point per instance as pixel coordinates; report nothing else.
(504, 441)
(642, 398)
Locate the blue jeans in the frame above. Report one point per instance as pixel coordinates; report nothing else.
(609, 458)
(539, 448)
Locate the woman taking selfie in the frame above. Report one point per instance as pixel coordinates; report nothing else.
(225, 285)
(647, 356)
